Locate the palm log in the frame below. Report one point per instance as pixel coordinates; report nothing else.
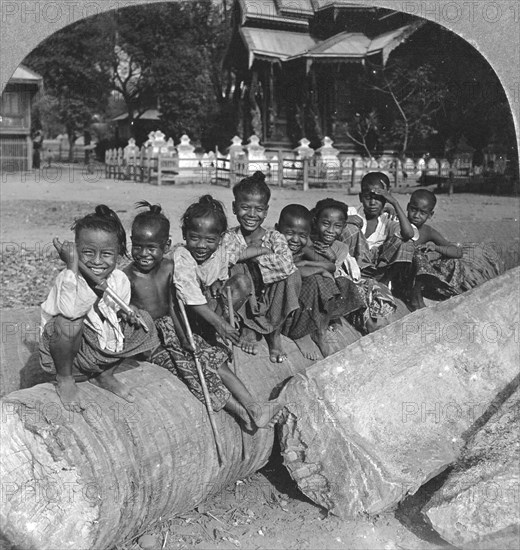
(478, 506)
(95, 479)
(372, 423)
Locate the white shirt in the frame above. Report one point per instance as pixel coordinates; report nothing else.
(387, 225)
(71, 297)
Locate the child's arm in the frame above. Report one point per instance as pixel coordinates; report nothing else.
(319, 258)
(252, 251)
(407, 231)
(223, 328)
(308, 268)
(441, 245)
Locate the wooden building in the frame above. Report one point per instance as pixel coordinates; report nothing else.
(15, 119)
(296, 64)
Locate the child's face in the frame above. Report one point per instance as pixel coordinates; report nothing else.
(251, 211)
(148, 247)
(296, 231)
(98, 250)
(202, 238)
(372, 202)
(330, 224)
(419, 211)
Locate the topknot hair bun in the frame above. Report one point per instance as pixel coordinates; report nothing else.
(258, 176)
(154, 208)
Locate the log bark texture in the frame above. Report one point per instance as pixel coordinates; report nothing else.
(372, 423)
(478, 505)
(92, 480)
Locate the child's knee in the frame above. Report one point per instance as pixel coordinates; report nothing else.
(68, 329)
(241, 285)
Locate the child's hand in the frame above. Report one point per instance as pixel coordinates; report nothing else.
(325, 251)
(132, 318)
(430, 247)
(389, 198)
(355, 220)
(67, 252)
(227, 332)
(215, 289)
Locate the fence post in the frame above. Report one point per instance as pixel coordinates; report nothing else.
(280, 168)
(353, 175)
(450, 183)
(216, 166)
(396, 171)
(305, 161)
(232, 167)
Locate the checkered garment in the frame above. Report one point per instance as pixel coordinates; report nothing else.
(322, 300)
(91, 359)
(273, 267)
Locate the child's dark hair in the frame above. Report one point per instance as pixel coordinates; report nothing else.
(105, 219)
(295, 211)
(425, 194)
(375, 178)
(153, 216)
(253, 185)
(329, 203)
(206, 207)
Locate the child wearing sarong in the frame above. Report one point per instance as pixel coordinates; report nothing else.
(84, 335)
(201, 279)
(321, 300)
(272, 273)
(442, 269)
(374, 302)
(389, 237)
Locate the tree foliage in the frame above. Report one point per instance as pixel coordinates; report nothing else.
(74, 65)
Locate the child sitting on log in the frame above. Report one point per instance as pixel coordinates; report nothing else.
(84, 335)
(200, 276)
(272, 273)
(389, 237)
(371, 304)
(442, 269)
(321, 298)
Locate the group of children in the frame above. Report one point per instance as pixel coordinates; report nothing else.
(300, 279)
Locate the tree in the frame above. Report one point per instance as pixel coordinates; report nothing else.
(416, 97)
(73, 63)
(362, 130)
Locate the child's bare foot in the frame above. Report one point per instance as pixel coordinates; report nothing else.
(108, 382)
(248, 341)
(263, 414)
(276, 351)
(68, 393)
(323, 341)
(308, 348)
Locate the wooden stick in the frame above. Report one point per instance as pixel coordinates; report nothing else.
(102, 284)
(205, 391)
(245, 453)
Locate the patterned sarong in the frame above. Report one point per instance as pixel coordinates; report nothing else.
(271, 304)
(180, 362)
(322, 300)
(443, 277)
(92, 360)
(379, 304)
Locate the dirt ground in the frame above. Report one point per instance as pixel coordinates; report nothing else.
(265, 511)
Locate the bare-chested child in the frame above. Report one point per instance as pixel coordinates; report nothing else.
(84, 335)
(152, 279)
(438, 277)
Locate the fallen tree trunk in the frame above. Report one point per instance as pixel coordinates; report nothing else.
(372, 423)
(92, 480)
(478, 505)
